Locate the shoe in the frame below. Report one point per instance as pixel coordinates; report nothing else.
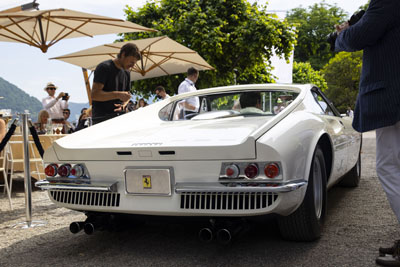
(386, 251)
(390, 250)
(388, 260)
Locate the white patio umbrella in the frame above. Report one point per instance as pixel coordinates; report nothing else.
(160, 56)
(44, 28)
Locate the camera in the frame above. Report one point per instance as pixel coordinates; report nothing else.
(331, 39)
(65, 96)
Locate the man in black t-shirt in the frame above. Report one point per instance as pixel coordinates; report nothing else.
(112, 84)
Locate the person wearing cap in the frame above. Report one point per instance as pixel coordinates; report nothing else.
(55, 105)
(112, 84)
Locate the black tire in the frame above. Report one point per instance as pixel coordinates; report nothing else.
(352, 178)
(305, 224)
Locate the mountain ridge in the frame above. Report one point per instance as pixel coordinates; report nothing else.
(18, 101)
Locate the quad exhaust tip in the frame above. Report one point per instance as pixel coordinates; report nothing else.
(206, 235)
(89, 228)
(224, 236)
(76, 227)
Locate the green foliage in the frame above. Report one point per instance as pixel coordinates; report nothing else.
(224, 103)
(342, 74)
(17, 100)
(304, 73)
(229, 35)
(364, 7)
(314, 24)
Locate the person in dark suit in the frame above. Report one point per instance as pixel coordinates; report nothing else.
(377, 33)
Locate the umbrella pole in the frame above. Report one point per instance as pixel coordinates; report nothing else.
(87, 84)
(27, 170)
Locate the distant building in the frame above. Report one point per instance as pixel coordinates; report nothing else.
(282, 70)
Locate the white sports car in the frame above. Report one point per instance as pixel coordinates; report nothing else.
(224, 153)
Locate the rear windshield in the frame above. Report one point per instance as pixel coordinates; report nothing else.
(229, 104)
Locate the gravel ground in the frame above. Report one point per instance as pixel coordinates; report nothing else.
(359, 221)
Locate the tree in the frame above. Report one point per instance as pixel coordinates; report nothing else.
(364, 7)
(304, 73)
(342, 74)
(314, 25)
(229, 35)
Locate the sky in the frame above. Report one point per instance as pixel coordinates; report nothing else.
(30, 69)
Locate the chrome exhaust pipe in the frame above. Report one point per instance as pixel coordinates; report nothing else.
(206, 235)
(76, 227)
(89, 228)
(224, 236)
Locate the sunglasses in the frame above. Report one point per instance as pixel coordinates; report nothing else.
(65, 112)
(51, 88)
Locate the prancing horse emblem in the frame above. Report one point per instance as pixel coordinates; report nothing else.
(146, 181)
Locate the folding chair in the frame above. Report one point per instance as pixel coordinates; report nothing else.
(34, 157)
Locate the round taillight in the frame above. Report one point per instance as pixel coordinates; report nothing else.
(64, 170)
(51, 170)
(251, 170)
(271, 170)
(78, 170)
(232, 171)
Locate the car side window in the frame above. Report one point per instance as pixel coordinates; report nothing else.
(325, 109)
(203, 105)
(165, 112)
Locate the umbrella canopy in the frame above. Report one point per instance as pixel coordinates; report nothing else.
(160, 56)
(44, 28)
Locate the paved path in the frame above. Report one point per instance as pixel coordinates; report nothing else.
(359, 221)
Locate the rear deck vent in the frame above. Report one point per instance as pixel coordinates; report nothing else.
(166, 152)
(86, 198)
(124, 153)
(227, 201)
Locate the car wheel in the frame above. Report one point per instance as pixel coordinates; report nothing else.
(352, 178)
(306, 222)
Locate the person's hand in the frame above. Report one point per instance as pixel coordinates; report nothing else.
(342, 27)
(118, 108)
(60, 95)
(124, 96)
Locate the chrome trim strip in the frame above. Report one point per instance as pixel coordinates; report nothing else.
(87, 187)
(217, 187)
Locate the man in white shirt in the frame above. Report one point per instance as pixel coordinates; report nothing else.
(190, 105)
(350, 112)
(55, 105)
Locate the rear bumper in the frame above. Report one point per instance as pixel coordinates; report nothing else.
(217, 187)
(188, 199)
(184, 187)
(105, 187)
